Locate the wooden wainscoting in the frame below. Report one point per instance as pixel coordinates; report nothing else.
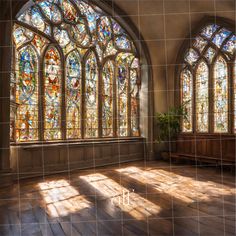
(214, 148)
(43, 159)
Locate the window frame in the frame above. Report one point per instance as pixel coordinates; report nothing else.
(188, 43)
(63, 58)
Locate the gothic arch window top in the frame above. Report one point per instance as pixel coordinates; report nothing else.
(79, 70)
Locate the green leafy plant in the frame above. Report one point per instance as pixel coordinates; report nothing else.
(168, 123)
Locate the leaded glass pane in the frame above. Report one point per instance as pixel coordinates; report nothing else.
(51, 11)
(73, 95)
(122, 42)
(27, 95)
(200, 43)
(134, 92)
(191, 56)
(123, 63)
(104, 30)
(80, 35)
(61, 37)
(220, 96)
(220, 37)
(21, 35)
(39, 43)
(33, 17)
(110, 49)
(69, 11)
(209, 30)
(91, 97)
(230, 46)
(187, 100)
(202, 77)
(107, 98)
(52, 94)
(210, 53)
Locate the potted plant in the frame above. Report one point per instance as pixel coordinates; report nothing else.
(169, 126)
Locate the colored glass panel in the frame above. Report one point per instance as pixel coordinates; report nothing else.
(122, 94)
(200, 43)
(61, 37)
(73, 95)
(230, 46)
(220, 96)
(107, 99)
(33, 17)
(52, 95)
(117, 28)
(80, 35)
(191, 56)
(90, 13)
(187, 96)
(110, 49)
(39, 43)
(91, 97)
(123, 43)
(21, 35)
(27, 95)
(202, 77)
(209, 30)
(51, 11)
(69, 11)
(210, 53)
(134, 97)
(104, 31)
(220, 37)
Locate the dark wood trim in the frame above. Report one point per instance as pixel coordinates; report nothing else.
(77, 141)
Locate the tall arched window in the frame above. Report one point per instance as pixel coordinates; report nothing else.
(76, 74)
(202, 77)
(187, 99)
(207, 69)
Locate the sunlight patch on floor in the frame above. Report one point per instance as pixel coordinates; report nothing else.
(123, 198)
(61, 199)
(175, 185)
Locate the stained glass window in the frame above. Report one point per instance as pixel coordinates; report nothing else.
(187, 94)
(107, 98)
(209, 58)
(27, 94)
(52, 94)
(76, 74)
(134, 91)
(91, 97)
(202, 75)
(73, 95)
(123, 63)
(220, 96)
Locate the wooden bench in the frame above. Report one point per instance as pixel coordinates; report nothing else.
(199, 158)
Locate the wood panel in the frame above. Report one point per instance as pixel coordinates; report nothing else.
(219, 147)
(43, 159)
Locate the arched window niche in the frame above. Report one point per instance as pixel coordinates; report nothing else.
(206, 75)
(86, 71)
(93, 87)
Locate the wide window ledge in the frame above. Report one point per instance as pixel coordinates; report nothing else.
(78, 142)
